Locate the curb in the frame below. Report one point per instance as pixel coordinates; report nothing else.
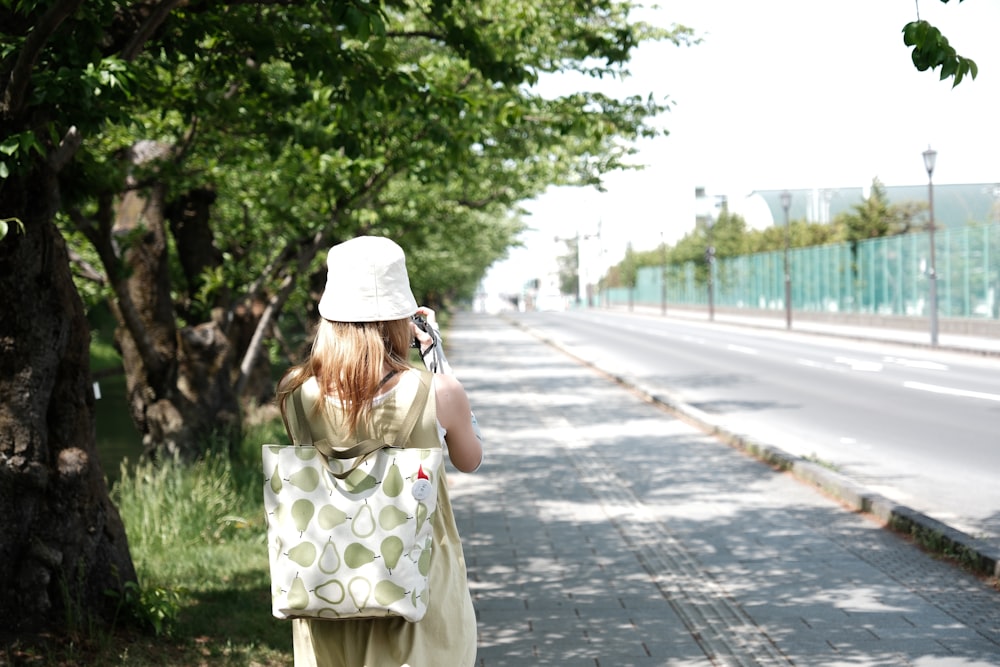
(931, 534)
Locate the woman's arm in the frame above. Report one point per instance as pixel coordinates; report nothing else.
(465, 442)
(465, 449)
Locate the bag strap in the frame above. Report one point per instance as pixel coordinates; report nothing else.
(300, 413)
(300, 419)
(366, 448)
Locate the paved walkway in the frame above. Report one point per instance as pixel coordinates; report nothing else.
(977, 542)
(603, 532)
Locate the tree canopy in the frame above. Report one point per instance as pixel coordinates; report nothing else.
(729, 236)
(249, 137)
(189, 163)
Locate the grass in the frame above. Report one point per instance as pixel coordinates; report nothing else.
(117, 438)
(814, 458)
(197, 538)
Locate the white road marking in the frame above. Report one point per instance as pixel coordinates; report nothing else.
(809, 363)
(740, 348)
(964, 393)
(860, 365)
(916, 363)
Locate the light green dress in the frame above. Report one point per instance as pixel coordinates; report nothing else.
(446, 636)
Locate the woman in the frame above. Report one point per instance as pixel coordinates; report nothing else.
(358, 378)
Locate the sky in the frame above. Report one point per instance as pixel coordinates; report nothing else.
(779, 94)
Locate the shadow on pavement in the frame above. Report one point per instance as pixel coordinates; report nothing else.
(603, 531)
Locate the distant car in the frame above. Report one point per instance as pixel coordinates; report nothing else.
(550, 302)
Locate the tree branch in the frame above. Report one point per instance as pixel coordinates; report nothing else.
(485, 201)
(70, 143)
(122, 306)
(304, 258)
(153, 21)
(13, 96)
(87, 270)
(414, 34)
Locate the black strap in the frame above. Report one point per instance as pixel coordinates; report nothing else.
(388, 376)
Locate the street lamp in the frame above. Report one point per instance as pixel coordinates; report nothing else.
(710, 261)
(663, 275)
(786, 201)
(930, 156)
(586, 288)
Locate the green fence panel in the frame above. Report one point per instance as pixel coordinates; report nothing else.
(887, 276)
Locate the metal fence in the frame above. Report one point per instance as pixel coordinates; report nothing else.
(884, 276)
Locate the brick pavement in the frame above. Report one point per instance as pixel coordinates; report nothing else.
(601, 531)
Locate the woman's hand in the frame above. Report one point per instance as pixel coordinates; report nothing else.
(428, 314)
(424, 338)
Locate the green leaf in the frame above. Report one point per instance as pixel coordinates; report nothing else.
(949, 68)
(5, 226)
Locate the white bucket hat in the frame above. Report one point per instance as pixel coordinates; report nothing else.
(366, 281)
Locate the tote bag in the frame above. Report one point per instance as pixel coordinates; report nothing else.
(350, 529)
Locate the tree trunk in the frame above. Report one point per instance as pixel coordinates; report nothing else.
(62, 542)
(191, 226)
(178, 379)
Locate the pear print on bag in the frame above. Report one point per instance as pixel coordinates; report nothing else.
(360, 590)
(330, 517)
(275, 481)
(392, 549)
(422, 512)
(387, 592)
(302, 514)
(305, 453)
(332, 591)
(392, 485)
(303, 554)
(363, 524)
(390, 517)
(360, 481)
(424, 562)
(357, 555)
(306, 479)
(360, 547)
(329, 558)
(298, 596)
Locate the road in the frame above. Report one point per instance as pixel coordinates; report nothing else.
(918, 426)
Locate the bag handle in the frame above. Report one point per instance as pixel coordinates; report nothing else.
(300, 418)
(366, 448)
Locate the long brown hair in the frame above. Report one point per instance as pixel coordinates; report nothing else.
(348, 361)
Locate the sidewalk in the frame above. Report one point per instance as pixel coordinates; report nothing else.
(601, 531)
(980, 551)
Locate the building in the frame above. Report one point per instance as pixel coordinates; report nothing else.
(955, 205)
